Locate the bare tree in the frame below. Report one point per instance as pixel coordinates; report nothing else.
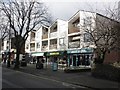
(24, 17)
(3, 30)
(103, 32)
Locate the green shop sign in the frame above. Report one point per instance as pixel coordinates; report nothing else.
(56, 53)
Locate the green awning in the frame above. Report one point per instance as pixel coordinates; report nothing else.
(86, 50)
(82, 50)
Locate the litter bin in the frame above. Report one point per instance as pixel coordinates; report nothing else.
(23, 63)
(54, 66)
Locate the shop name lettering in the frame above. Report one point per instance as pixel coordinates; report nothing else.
(57, 53)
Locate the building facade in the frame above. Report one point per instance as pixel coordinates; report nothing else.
(65, 42)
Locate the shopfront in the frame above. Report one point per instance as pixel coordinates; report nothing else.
(58, 57)
(79, 57)
(37, 56)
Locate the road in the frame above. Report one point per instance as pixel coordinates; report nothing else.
(17, 79)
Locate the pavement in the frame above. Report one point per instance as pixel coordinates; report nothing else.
(84, 79)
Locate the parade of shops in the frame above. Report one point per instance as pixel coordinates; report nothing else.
(66, 58)
(63, 43)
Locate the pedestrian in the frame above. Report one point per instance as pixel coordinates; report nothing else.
(5, 57)
(2, 57)
(34, 59)
(12, 57)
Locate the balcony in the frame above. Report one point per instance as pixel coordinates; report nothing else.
(73, 29)
(75, 44)
(73, 25)
(2, 47)
(32, 49)
(44, 48)
(53, 34)
(45, 36)
(32, 39)
(54, 46)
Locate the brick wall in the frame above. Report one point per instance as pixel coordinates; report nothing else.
(112, 57)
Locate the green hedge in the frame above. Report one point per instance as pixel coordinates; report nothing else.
(106, 71)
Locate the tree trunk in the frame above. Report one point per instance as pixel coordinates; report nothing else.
(100, 57)
(103, 56)
(17, 59)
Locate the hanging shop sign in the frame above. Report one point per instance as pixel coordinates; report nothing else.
(54, 53)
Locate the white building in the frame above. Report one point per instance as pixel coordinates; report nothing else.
(47, 39)
(58, 35)
(34, 41)
(119, 10)
(77, 36)
(67, 41)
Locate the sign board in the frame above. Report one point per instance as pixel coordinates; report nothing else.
(38, 54)
(82, 50)
(56, 53)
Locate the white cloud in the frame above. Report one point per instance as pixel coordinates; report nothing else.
(64, 10)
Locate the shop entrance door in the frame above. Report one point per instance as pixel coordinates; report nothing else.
(74, 60)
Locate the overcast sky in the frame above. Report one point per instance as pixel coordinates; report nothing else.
(65, 9)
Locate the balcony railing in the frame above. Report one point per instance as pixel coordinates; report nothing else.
(44, 48)
(53, 30)
(74, 44)
(32, 39)
(73, 29)
(45, 36)
(54, 34)
(54, 46)
(32, 49)
(2, 47)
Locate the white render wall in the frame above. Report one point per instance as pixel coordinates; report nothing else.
(62, 33)
(5, 45)
(38, 39)
(62, 30)
(27, 43)
(83, 15)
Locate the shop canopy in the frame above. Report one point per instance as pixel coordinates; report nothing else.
(82, 50)
(37, 54)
